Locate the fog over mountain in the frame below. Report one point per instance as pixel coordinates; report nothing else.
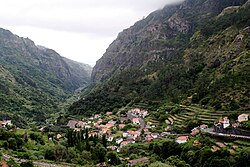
(87, 26)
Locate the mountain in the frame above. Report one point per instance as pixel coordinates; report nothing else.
(193, 52)
(34, 80)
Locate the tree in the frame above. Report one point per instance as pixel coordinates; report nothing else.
(60, 152)
(99, 153)
(113, 158)
(159, 164)
(27, 164)
(104, 141)
(12, 143)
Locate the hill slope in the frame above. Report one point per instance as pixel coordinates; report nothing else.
(34, 79)
(198, 49)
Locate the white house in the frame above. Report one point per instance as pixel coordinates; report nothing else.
(243, 117)
(119, 140)
(125, 134)
(225, 122)
(182, 139)
(110, 138)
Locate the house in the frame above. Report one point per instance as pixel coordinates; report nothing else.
(243, 117)
(148, 138)
(93, 133)
(225, 122)
(109, 126)
(155, 135)
(108, 113)
(121, 126)
(77, 129)
(99, 120)
(110, 138)
(136, 121)
(133, 134)
(203, 126)
(112, 122)
(119, 140)
(87, 127)
(113, 148)
(80, 124)
(58, 136)
(106, 131)
(72, 124)
(4, 123)
(195, 131)
(140, 161)
(182, 139)
(124, 143)
(96, 125)
(196, 143)
(125, 134)
(97, 116)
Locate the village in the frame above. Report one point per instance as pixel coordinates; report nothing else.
(132, 127)
(137, 126)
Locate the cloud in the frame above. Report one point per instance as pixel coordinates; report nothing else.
(100, 17)
(77, 29)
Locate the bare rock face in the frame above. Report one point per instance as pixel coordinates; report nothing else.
(149, 38)
(180, 24)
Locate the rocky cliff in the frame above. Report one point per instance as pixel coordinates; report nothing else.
(193, 52)
(158, 33)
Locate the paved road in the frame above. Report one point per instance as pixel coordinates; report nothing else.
(142, 122)
(210, 130)
(36, 163)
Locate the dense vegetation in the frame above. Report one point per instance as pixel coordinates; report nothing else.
(34, 80)
(81, 149)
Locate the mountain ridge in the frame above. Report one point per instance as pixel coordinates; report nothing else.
(170, 57)
(35, 80)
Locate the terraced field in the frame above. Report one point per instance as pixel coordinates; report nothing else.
(204, 115)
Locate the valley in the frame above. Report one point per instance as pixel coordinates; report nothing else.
(172, 90)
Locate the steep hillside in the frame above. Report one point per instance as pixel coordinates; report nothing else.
(34, 79)
(197, 51)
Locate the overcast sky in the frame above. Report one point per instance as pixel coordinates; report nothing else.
(77, 29)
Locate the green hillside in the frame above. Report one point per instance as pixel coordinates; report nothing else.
(34, 80)
(195, 52)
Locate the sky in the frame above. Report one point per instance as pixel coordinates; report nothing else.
(80, 30)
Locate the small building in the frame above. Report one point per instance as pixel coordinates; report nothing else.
(243, 117)
(110, 138)
(225, 122)
(4, 123)
(203, 126)
(155, 135)
(136, 121)
(80, 124)
(125, 134)
(182, 139)
(112, 122)
(97, 116)
(148, 138)
(195, 131)
(58, 136)
(119, 140)
(108, 113)
(121, 126)
(72, 124)
(113, 148)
